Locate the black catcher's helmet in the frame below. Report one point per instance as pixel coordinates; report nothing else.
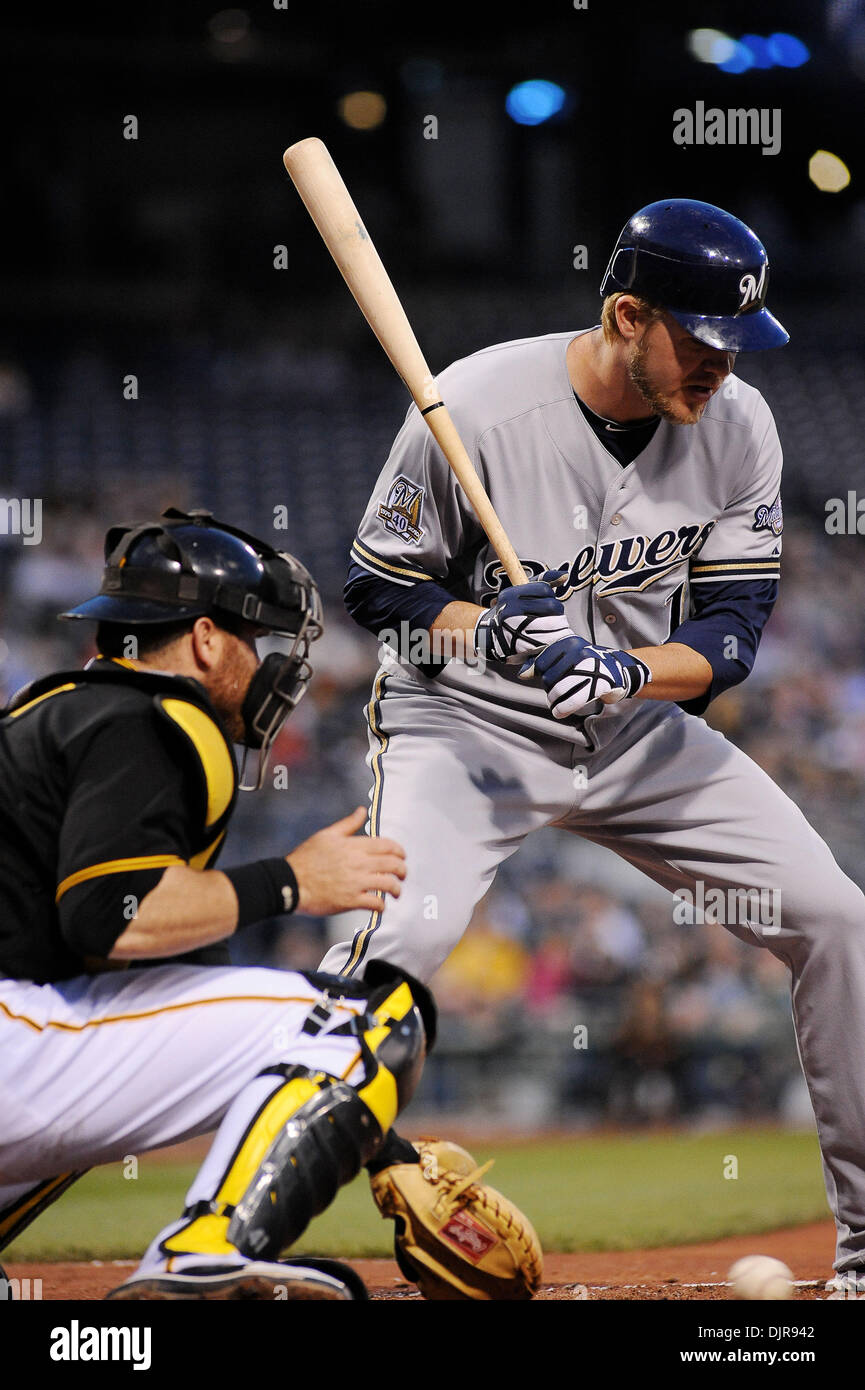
(188, 565)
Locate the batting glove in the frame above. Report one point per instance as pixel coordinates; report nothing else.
(574, 674)
(525, 620)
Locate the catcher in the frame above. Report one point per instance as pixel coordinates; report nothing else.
(123, 1025)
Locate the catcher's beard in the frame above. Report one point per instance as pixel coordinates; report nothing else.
(657, 401)
(227, 686)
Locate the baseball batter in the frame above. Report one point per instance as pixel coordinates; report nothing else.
(640, 482)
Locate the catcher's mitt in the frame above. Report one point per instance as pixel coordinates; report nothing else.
(457, 1238)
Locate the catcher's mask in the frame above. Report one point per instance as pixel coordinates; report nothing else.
(188, 565)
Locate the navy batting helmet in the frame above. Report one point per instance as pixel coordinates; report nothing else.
(704, 266)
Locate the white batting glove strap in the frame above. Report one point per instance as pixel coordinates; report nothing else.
(575, 674)
(527, 636)
(581, 687)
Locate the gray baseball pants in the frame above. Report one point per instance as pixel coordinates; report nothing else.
(673, 797)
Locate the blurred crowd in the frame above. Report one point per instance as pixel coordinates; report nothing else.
(160, 353)
(575, 996)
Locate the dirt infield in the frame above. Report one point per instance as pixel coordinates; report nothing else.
(675, 1273)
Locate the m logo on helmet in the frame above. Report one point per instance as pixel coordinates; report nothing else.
(751, 288)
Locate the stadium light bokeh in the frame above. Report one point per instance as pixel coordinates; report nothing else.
(787, 51)
(758, 50)
(740, 59)
(535, 101)
(711, 45)
(362, 110)
(827, 172)
(750, 51)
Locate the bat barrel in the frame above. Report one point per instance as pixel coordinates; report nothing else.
(330, 205)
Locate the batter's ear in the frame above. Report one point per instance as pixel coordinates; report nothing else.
(628, 310)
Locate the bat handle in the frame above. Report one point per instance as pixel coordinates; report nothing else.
(443, 429)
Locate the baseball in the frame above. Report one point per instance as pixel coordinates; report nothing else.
(760, 1277)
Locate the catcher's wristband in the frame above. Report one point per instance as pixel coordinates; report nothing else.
(265, 888)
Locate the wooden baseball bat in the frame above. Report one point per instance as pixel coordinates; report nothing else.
(330, 206)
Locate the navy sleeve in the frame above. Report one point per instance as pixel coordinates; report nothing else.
(736, 610)
(380, 604)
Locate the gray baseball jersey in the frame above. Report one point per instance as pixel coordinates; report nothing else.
(699, 505)
(466, 764)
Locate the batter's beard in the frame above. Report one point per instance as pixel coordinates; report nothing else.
(657, 402)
